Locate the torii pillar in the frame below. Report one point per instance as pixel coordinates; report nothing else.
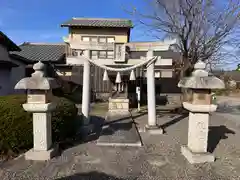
(86, 90)
(152, 127)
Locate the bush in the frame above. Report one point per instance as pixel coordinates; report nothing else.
(16, 128)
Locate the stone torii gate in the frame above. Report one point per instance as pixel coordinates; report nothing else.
(152, 125)
(39, 102)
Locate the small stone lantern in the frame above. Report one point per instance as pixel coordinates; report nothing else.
(199, 106)
(39, 103)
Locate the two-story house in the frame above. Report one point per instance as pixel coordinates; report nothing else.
(103, 36)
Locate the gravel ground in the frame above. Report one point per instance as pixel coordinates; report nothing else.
(158, 159)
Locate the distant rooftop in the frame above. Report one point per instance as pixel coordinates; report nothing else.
(45, 52)
(98, 22)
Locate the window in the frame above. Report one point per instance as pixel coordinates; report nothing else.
(94, 54)
(110, 39)
(90, 38)
(102, 54)
(110, 54)
(102, 39)
(94, 39)
(85, 39)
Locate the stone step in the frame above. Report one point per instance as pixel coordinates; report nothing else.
(119, 130)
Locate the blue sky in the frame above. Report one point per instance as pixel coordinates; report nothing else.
(39, 20)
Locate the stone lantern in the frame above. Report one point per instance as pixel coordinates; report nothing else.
(200, 105)
(39, 99)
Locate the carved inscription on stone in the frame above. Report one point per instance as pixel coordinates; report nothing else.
(118, 105)
(113, 105)
(198, 132)
(201, 133)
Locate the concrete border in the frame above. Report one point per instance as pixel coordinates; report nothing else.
(138, 144)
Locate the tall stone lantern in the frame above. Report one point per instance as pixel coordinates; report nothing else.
(200, 105)
(39, 102)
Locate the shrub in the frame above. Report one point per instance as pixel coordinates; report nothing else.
(16, 128)
(63, 120)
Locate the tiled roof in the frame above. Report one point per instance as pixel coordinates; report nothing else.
(4, 40)
(41, 52)
(98, 22)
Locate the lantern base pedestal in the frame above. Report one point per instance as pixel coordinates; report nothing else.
(40, 155)
(195, 158)
(153, 129)
(118, 104)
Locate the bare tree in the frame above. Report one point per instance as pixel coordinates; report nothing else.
(205, 29)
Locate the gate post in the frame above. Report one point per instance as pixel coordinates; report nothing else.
(86, 90)
(152, 126)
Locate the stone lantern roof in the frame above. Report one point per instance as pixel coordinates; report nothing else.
(201, 79)
(38, 81)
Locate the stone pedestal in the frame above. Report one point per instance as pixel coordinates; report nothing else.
(43, 148)
(118, 105)
(198, 131)
(42, 131)
(196, 149)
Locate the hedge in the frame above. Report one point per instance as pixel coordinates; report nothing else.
(16, 129)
